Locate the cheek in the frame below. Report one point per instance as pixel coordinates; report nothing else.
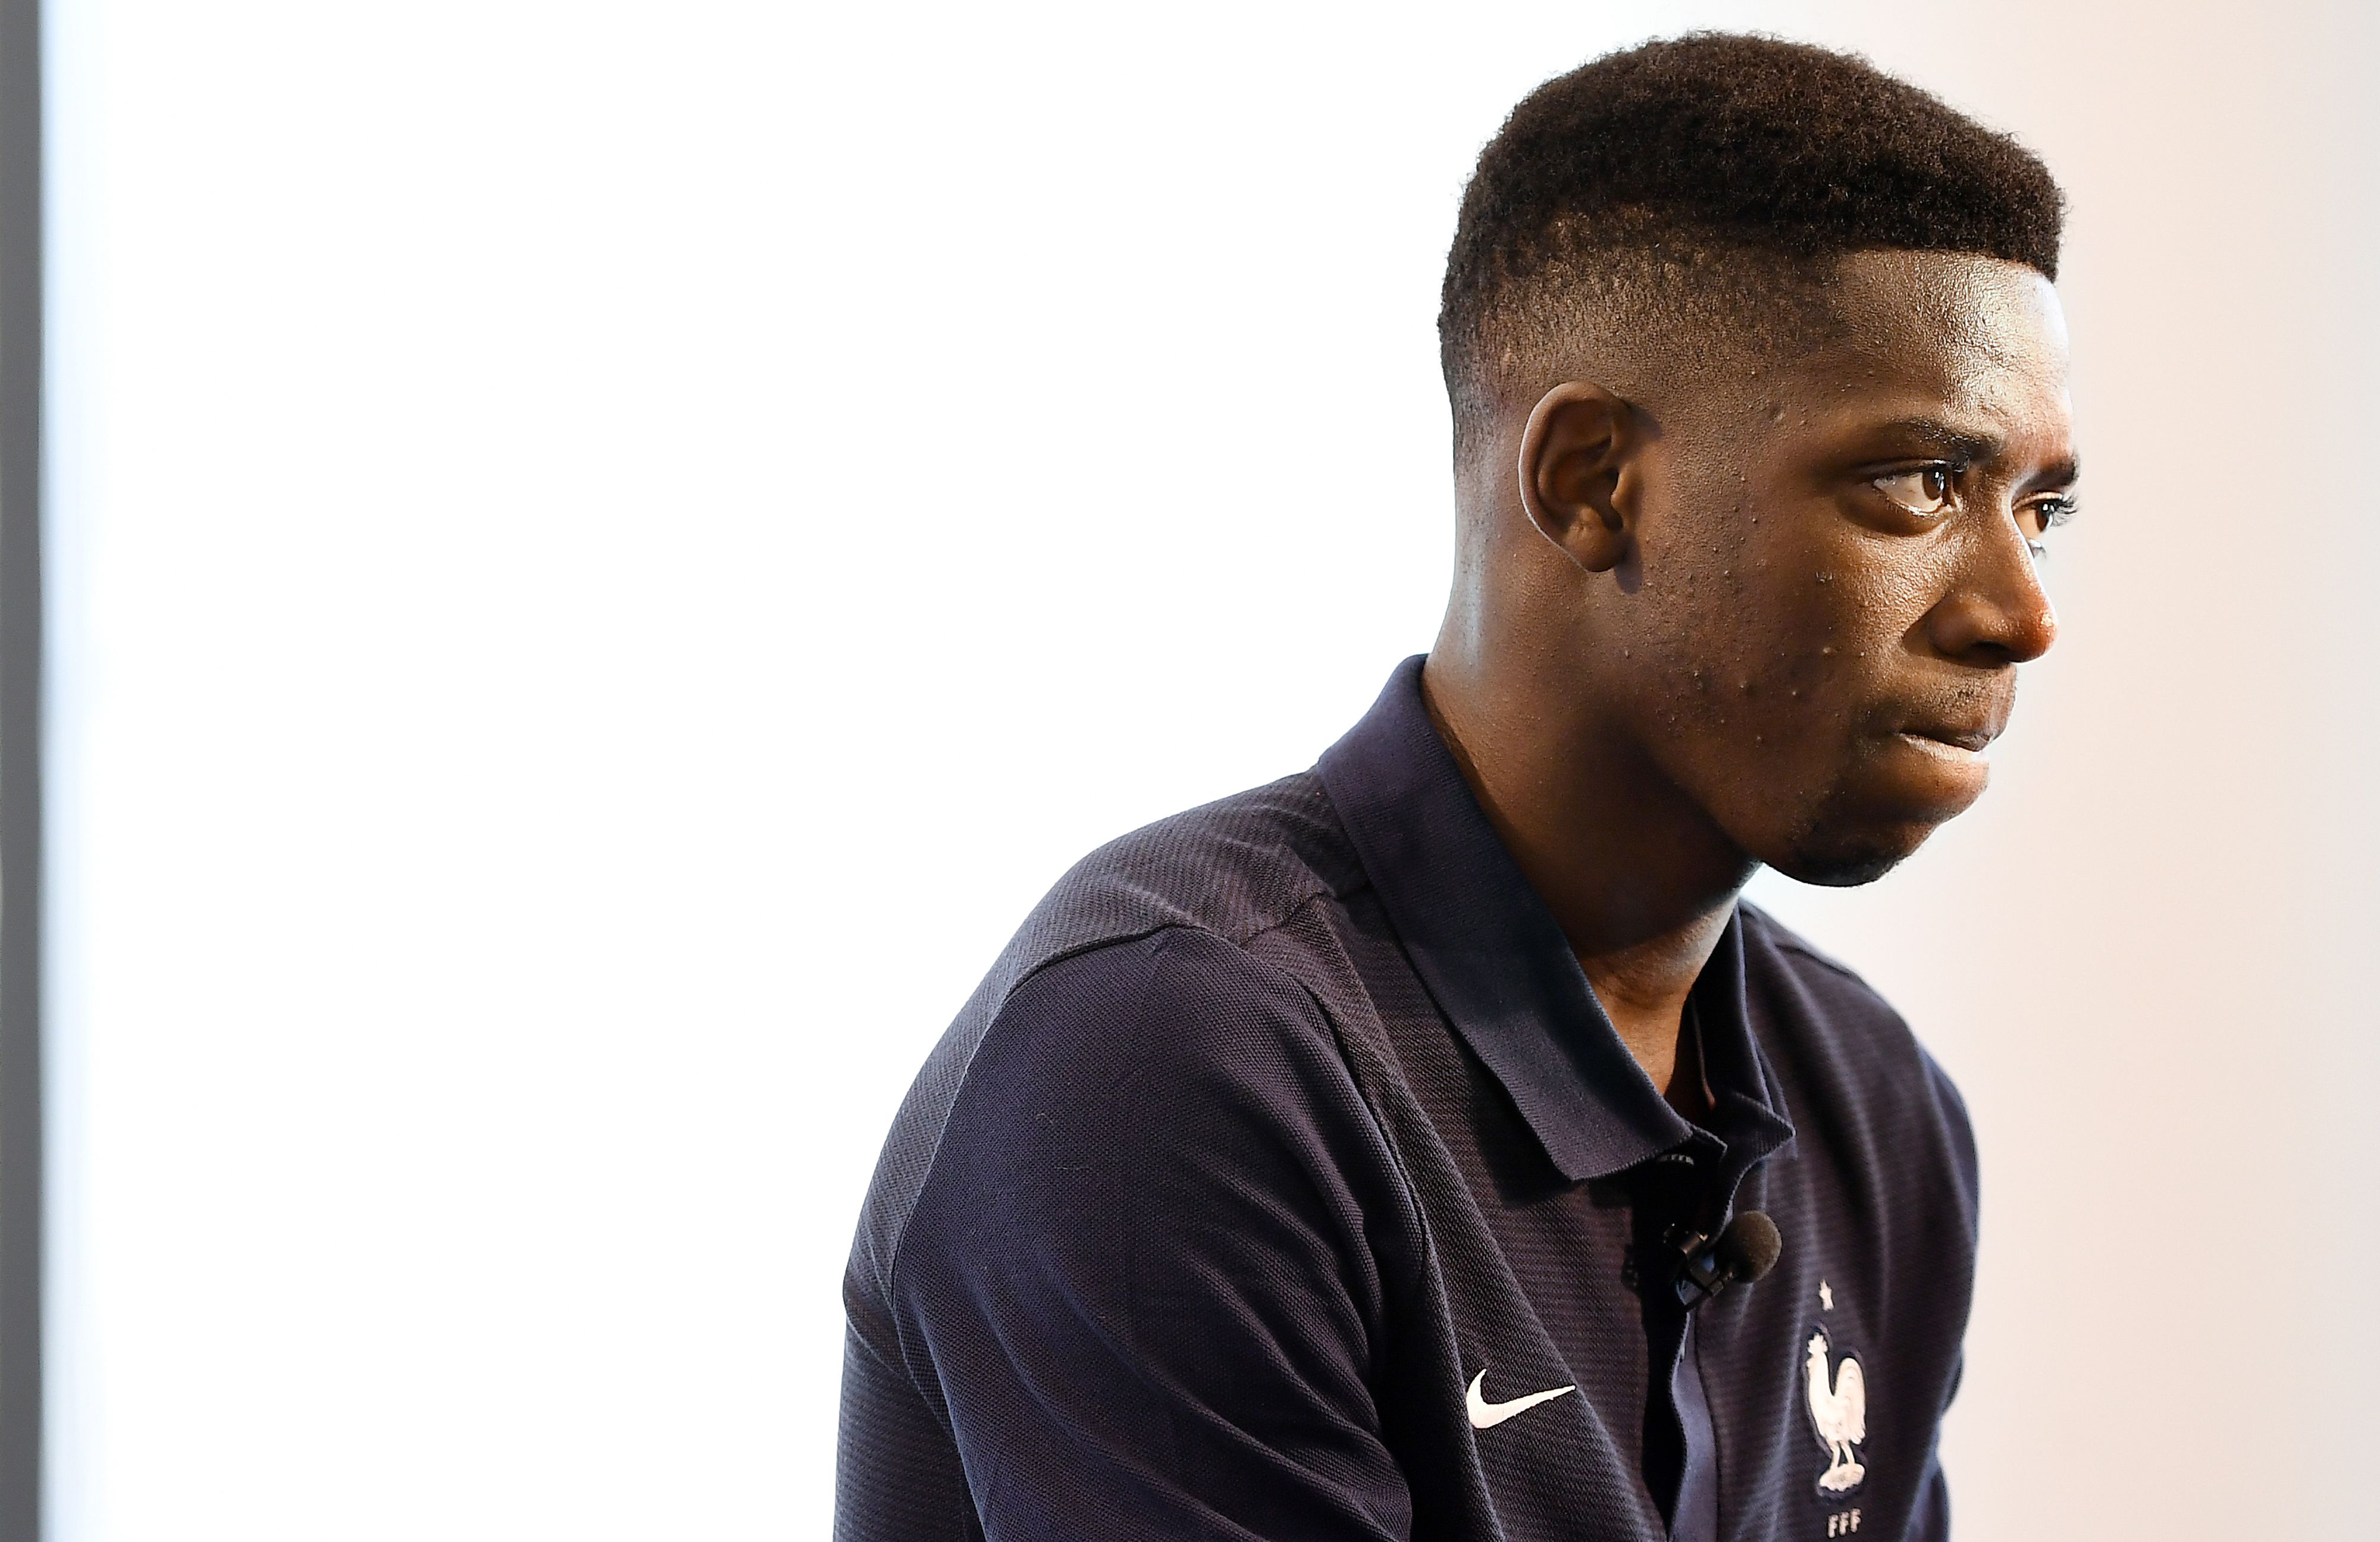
(1770, 627)
(1837, 601)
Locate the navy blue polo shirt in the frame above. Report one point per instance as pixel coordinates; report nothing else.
(1285, 1181)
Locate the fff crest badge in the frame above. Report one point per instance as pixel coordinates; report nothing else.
(1834, 1392)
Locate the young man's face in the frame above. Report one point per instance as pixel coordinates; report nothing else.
(1839, 565)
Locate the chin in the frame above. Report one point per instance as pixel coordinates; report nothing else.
(1845, 859)
(1872, 821)
(1839, 869)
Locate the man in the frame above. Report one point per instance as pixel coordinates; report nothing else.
(1344, 1159)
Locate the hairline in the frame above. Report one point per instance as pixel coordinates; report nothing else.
(1730, 275)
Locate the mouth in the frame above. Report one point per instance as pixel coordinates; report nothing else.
(1945, 766)
(1962, 742)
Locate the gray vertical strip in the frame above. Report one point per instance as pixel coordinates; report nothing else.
(20, 771)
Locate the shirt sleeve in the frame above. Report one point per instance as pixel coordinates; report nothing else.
(1139, 1276)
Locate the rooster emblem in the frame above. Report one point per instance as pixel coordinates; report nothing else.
(1838, 1398)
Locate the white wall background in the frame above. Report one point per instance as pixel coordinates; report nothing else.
(605, 554)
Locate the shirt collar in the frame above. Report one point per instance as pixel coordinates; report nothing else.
(1497, 964)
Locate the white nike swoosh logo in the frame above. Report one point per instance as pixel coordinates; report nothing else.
(1487, 1415)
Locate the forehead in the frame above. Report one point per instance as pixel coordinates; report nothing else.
(1970, 334)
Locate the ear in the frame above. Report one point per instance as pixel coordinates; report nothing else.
(1578, 473)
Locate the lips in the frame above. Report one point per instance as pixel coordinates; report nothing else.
(1968, 724)
(1974, 740)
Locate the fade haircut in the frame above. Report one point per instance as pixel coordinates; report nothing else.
(1712, 180)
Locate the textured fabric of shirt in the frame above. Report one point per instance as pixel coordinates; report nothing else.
(1286, 1150)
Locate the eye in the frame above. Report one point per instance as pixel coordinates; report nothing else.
(1924, 489)
(2037, 519)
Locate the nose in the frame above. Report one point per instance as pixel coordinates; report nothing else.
(1995, 611)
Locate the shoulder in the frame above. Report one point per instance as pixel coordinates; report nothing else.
(1233, 868)
(1165, 1012)
(1775, 954)
(1138, 1114)
(1851, 1060)
(1821, 1002)
(1132, 999)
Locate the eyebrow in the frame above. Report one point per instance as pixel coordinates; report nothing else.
(1962, 445)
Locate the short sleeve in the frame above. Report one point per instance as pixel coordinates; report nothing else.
(1141, 1276)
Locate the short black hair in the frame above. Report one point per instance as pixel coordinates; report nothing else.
(1694, 153)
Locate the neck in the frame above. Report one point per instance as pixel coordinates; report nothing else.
(1639, 879)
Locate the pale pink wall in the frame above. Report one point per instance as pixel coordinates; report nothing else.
(2147, 956)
